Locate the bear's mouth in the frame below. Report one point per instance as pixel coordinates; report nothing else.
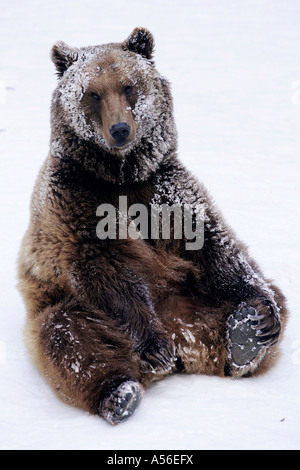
(121, 148)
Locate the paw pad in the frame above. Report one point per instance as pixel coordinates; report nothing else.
(121, 403)
(243, 335)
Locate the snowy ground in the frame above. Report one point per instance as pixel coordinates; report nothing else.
(235, 70)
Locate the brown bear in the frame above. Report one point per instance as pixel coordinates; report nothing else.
(109, 313)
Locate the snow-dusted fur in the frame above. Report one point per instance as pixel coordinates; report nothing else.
(152, 112)
(105, 312)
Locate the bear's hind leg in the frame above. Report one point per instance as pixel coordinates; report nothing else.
(87, 359)
(228, 340)
(197, 329)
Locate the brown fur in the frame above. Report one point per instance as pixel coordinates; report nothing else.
(111, 105)
(103, 311)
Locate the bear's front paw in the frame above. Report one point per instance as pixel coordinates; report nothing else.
(157, 353)
(251, 330)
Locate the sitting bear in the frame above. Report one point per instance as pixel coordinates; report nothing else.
(108, 313)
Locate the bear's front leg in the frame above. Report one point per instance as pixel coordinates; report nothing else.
(122, 291)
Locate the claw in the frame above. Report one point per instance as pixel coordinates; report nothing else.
(274, 341)
(157, 359)
(161, 360)
(258, 326)
(267, 323)
(263, 331)
(269, 341)
(147, 367)
(263, 334)
(270, 332)
(257, 317)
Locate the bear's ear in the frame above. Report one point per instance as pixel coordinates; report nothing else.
(63, 56)
(140, 41)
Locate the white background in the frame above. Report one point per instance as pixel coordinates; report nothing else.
(235, 70)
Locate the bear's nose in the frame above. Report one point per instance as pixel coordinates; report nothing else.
(120, 132)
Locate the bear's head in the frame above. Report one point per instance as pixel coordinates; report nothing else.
(112, 97)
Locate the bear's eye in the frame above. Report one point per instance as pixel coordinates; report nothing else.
(95, 96)
(128, 90)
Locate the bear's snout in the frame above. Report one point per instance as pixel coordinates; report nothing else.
(120, 132)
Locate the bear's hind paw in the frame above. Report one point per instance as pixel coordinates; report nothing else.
(250, 331)
(121, 403)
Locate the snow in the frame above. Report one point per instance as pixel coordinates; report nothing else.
(235, 73)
